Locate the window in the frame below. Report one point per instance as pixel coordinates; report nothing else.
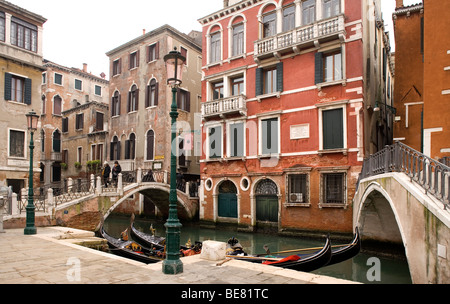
(2, 26)
(298, 192)
(333, 129)
(153, 52)
(115, 149)
(44, 78)
(269, 24)
(42, 140)
(98, 90)
(79, 121)
(133, 99)
(237, 86)
(65, 124)
(184, 53)
(56, 141)
(215, 48)
(17, 88)
(23, 34)
(134, 60)
(117, 67)
(184, 100)
(130, 147)
(215, 142)
(329, 67)
(78, 85)
(238, 40)
(57, 105)
(331, 8)
(43, 104)
(58, 79)
(79, 154)
(288, 18)
(269, 136)
(308, 11)
(333, 187)
(99, 118)
(236, 139)
(152, 94)
(150, 145)
(16, 143)
(269, 80)
(217, 89)
(65, 156)
(115, 104)
(100, 153)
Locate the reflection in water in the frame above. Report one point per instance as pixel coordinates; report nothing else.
(392, 271)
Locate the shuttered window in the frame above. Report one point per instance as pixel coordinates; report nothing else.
(153, 52)
(269, 80)
(57, 141)
(328, 67)
(133, 99)
(99, 118)
(333, 129)
(184, 100)
(18, 89)
(117, 67)
(65, 124)
(2, 26)
(115, 104)
(57, 105)
(151, 95)
(150, 145)
(269, 136)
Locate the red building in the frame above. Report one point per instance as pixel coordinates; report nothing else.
(286, 107)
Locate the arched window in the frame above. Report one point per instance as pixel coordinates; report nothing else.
(269, 21)
(133, 99)
(115, 104)
(150, 145)
(151, 97)
(57, 105)
(57, 141)
(130, 147)
(266, 187)
(115, 149)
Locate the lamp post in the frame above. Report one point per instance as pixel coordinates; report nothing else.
(172, 264)
(32, 121)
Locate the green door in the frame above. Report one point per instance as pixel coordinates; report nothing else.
(267, 208)
(228, 205)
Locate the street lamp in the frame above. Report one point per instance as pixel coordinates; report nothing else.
(172, 264)
(32, 121)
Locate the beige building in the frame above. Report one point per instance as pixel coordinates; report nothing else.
(140, 100)
(73, 100)
(20, 79)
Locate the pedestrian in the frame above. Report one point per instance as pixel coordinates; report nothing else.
(115, 172)
(105, 173)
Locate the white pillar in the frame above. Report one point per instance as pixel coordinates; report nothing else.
(2, 208)
(14, 204)
(139, 175)
(120, 185)
(99, 185)
(69, 184)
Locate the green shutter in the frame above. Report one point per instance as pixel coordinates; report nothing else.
(28, 90)
(8, 79)
(259, 81)
(333, 129)
(280, 77)
(318, 68)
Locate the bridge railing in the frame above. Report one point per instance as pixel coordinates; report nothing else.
(432, 175)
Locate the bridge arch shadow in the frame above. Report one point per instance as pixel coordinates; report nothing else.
(158, 194)
(379, 221)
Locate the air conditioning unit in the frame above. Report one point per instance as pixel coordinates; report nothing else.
(296, 198)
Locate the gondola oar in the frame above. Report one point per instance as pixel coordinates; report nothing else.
(298, 250)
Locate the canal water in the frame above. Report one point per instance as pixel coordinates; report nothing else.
(365, 268)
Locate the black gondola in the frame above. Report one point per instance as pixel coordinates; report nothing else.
(299, 262)
(125, 249)
(347, 252)
(146, 239)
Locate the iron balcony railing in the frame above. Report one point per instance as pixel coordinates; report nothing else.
(432, 175)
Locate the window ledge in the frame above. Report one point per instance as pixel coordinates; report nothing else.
(332, 205)
(243, 55)
(210, 65)
(269, 95)
(343, 82)
(273, 155)
(303, 205)
(233, 158)
(330, 151)
(218, 159)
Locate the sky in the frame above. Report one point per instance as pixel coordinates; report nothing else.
(82, 31)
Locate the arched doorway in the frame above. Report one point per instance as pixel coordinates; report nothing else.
(227, 204)
(266, 201)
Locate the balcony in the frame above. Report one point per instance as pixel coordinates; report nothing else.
(56, 156)
(225, 107)
(311, 35)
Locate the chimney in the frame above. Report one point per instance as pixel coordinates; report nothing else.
(143, 31)
(85, 67)
(225, 3)
(398, 3)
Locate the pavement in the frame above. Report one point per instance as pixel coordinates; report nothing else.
(54, 256)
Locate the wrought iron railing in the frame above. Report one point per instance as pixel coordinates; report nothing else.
(432, 175)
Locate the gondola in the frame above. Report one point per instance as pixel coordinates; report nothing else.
(347, 252)
(299, 262)
(146, 239)
(132, 250)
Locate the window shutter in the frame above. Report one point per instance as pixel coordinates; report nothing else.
(137, 99)
(157, 50)
(333, 129)
(28, 89)
(127, 149)
(8, 79)
(259, 81)
(120, 102)
(319, 68)
(129, 102)
(280, 77)
(147, 96)
(118, 150)
(178, 98)
(120, 66)
(111, 151)
(188, 101)
(138, 57)
(156, 93)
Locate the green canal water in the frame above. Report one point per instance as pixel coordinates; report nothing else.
(365, 268)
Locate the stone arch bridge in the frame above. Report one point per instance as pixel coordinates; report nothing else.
(403, 199)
